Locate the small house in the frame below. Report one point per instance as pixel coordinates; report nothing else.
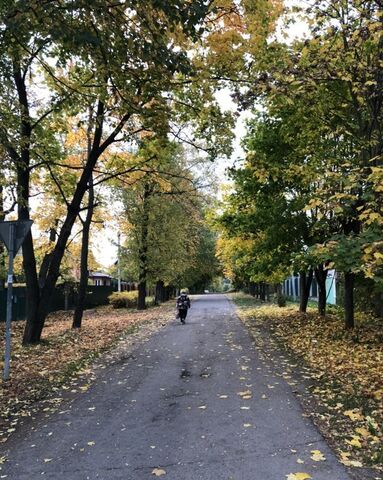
(99, 279)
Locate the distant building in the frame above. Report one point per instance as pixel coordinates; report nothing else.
(291, 287)
(99, 279)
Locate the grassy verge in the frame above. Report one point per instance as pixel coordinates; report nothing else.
(344, 369)
(56, 364)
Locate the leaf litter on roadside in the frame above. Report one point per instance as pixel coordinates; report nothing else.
(344, 370)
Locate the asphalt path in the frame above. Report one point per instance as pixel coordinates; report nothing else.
(195, 401)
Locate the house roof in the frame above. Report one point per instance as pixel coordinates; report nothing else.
(99, 275)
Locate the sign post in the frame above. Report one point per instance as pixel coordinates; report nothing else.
(7, 357)
(12, 234)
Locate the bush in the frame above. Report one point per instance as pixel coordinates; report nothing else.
(123, 299)
(150, 302)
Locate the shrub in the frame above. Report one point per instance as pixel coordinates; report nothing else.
(150, 301)
(123, 299)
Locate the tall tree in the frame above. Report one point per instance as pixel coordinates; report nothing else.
(116, 55)
(161, 213)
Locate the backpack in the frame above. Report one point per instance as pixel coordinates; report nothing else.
(182, 302)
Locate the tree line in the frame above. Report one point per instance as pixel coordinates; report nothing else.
(308, 196)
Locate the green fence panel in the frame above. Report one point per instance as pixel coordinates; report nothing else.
(18, 304)
(63, 298)
(97, 295)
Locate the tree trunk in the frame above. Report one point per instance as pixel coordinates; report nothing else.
(305, 281)
(349, 279)
(86, 224)
(84, 272)
(262, 291)
(160, 292)
(281, 299)
(252, 289)
(321, 275)
(143, 249)
(22, 162)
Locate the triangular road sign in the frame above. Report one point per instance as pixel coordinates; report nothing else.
(21, 228)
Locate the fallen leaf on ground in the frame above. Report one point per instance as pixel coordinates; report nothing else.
(298, 476)
(243, 394)
(363, 431)
(317, 456)
(349, 463)
(355, 442)
(353, 414)
(158, 472)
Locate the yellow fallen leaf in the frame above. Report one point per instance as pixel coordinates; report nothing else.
(246, 397)
(91, 443)
(363, 432)
(378, 395)
(158, 472)
(351, 463)
(202, 407)
(300, 461)
(3, 460)
(355, 442)
(298, 476)
(46, 460)
(243, 394)
(247, 425)
(317, 456)
(223, 396)
(353, 414)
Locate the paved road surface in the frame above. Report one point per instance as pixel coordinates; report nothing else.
(176, 406)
